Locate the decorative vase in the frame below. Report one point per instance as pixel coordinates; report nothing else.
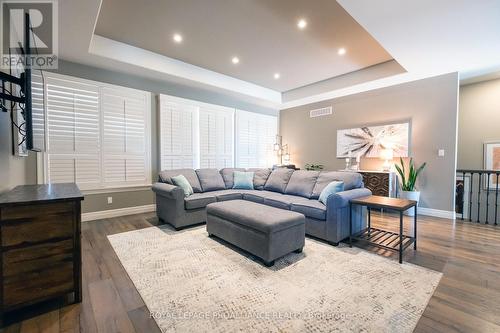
(410, 195)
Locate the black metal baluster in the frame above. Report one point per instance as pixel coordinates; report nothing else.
(479, 196)
(496, 201)
(487, 198)
(470, 196)
(463, 195)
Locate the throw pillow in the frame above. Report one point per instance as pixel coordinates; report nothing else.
(183, 183)
(333, 187)
(243, 180)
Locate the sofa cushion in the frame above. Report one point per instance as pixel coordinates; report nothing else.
(302, 183)
(310, 208)
(283, 201)
(227, 175)
(225, 195)
(259, 196)
(166, 177)
(183, 183)
(243, 180)
(278, 179)
(351, 181)
(260, 177)
(332, 188)
(199, 200)
(210, 180)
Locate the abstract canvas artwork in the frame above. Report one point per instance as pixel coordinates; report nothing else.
(491, 162)
(369, 141)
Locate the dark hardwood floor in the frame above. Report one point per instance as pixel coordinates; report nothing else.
(466, 300)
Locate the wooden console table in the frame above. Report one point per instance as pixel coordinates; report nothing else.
(40, 245)
(382, 238)
(382, 183)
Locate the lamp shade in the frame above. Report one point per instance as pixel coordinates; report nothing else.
(386, 154)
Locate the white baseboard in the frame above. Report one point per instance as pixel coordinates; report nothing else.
(445, 214)
(104, 214)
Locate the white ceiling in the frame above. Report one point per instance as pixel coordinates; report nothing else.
(262, 33)
(425, 37)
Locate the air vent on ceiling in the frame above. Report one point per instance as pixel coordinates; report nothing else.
(320, 112)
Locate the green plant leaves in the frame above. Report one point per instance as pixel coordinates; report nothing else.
(408, 184)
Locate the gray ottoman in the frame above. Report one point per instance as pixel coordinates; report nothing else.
(266, 232)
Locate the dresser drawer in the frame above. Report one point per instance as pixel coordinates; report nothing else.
(42, 228)
(34, 210)
(25, 260)
(38, 285)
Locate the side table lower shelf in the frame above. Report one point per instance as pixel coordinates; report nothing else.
(383, 239)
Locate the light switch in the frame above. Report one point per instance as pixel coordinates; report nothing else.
(441, 152)
(110, 200)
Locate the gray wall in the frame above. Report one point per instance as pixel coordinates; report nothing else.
(17, 171)
(479, 122)
(430, 105)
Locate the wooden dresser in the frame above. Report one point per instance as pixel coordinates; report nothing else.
(40, 250)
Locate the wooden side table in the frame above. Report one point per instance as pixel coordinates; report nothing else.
(383, 238)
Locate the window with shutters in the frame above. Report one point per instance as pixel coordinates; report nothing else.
(216, 137)
(254, 140)
(202, 135)
(96, 135)
(177, 139)
(195, 134)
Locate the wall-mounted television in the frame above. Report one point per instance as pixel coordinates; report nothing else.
(16, 92)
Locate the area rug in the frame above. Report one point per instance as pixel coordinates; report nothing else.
(193, 283)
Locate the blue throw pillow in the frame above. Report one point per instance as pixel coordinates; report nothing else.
(183, 183)
(333, 187)
(243, 180)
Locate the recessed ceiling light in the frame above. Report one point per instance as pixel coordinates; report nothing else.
(302, 24)
(177, 38)
(341, 51)
(235, 60)
(277, 76)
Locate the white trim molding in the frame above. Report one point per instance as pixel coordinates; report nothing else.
(128, 54)
(104, 214)
(445, 214)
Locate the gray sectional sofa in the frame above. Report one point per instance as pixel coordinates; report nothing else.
(282, 188)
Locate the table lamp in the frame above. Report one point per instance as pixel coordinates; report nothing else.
(386, 155)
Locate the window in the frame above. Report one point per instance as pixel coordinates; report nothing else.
(96, 135)
(216, 137)
(195, 134)
(201, 135)
(255, 136)
(177, 141)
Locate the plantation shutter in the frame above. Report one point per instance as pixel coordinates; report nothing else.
(216, 137)
(73, 142)
(255, 136)
(38, 112)
(125, 157)
(96, 135)
(177, 139)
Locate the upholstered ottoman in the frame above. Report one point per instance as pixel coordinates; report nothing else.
(266, 232)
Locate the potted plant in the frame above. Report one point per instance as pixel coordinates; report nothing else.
(408, 182)
(314, 167)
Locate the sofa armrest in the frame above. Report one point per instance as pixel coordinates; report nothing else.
(337, 214)
(168, 191)
(341, 199)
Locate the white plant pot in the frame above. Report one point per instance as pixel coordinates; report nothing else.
(410, 195)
